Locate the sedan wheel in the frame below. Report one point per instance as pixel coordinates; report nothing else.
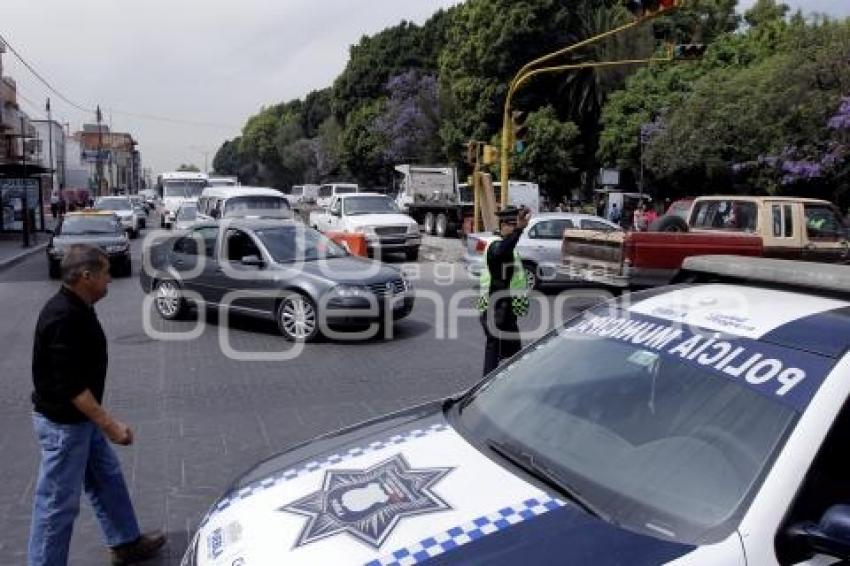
(169, 300)
(297, 319)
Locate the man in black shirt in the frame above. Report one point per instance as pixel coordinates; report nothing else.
(69, 372)
(503, 290)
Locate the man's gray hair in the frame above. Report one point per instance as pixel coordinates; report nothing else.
(80, 258)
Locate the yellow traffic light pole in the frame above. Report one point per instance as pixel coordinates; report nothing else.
(531, 70)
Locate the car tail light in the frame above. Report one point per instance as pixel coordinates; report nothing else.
(480, 246)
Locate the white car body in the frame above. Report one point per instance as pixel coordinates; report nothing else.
(388, 232)
(449, 496)
(540, 245)
(214, 202)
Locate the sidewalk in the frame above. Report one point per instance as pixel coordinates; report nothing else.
(12, 250)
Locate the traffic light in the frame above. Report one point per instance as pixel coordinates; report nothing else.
(520, 129)
(490, 155)
(689, 51)
(649, 8)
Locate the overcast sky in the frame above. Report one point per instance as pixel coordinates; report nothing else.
(205, 61)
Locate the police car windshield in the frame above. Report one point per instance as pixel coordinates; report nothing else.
(289, 244)
(654, 442)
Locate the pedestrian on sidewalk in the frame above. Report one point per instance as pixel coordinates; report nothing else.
(73, 428)
(54, 203)
(503, 290)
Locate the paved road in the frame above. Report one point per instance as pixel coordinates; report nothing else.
(200, 417)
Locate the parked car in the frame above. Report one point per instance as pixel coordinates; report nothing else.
(102, 229)
(696, 425)
(186, 216)
(779, 227)
(386, 228)
(540, 245)
(123, 208)
(306, 283)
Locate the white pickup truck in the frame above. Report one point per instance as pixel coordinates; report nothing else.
(377, 217)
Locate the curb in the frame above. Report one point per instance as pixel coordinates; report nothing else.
(22, 255)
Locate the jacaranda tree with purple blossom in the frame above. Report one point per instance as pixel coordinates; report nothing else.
(412, 119)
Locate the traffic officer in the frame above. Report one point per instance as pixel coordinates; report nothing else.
(503, 289)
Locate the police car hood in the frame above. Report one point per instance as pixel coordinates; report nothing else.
(404, 490)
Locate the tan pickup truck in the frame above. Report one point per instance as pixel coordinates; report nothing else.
(777, 227)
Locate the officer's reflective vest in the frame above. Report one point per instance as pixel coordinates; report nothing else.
(518, 286)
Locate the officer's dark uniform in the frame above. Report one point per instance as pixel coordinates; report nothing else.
(500, 261)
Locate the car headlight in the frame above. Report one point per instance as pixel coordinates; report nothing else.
(345, 291)
(408, 284)
(114, 248)
(56, 252)
(413, 229)
(366, 230)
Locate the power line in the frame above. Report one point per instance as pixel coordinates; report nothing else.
(42, 79)
(153, 117)
(174, 120)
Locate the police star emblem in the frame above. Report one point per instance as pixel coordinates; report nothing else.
(368, 504)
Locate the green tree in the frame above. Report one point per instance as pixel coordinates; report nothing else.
(228, 159)
(766, 11)
(364, 146)
(188, 167)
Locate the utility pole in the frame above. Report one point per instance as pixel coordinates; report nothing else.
(25, 218)
(50, 143)
(99, 173)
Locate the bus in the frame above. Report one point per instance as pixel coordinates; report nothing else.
(177, 187)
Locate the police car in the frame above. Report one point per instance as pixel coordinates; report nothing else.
(704, 423)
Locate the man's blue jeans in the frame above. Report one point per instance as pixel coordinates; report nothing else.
(76, 457)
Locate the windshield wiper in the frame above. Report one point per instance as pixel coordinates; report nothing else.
(526, 461)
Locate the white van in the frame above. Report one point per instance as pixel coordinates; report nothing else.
(304, 194)
(331, 190)
(230, 202)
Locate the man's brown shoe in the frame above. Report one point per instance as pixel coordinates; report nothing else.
(144, 547)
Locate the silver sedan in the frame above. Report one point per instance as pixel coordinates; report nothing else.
(539, 246)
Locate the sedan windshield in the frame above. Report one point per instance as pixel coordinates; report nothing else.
(370, 205)
(183, 189)
(114, 204)
(288, 244)
(651, 441)
(239, 206)
(79, 225)
(187, 213)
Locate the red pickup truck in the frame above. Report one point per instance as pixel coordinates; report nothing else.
(778, 227)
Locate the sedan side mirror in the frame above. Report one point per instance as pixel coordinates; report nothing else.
(336, 213)
(831, 536)
(252, 261)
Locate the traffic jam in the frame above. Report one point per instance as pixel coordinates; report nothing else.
(695, 424)
(483, 300)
